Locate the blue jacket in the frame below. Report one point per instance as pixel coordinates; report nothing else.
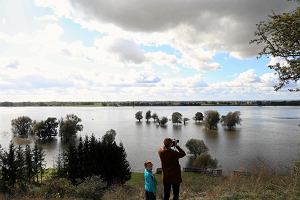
(150, 182)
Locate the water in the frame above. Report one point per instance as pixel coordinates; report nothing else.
(268, 134)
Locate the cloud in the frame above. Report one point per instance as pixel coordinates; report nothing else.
(221, 25)
(128, 51)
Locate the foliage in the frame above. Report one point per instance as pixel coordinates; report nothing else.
(196, 147)
(46, 130)
(231, 119)
(185, 120)
(198, 116)
(139, 115)
(18, 166)
(91, 188)
(21, 126)
(280, 38)
(211, 119)
(148, 115)
(154, 116)
(176, 118)
(96, 157)
(205, 161)
(68, 128)
(163, 121)
(56, 188)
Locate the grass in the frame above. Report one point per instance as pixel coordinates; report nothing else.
(197, 187)
(264, 185)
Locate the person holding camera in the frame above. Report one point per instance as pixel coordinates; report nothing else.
(171, 170)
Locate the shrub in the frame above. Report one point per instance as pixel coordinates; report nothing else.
(91, 188)
(196, 147)
(205, 161)
(55, 188)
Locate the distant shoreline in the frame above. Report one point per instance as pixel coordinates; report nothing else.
(148, 103)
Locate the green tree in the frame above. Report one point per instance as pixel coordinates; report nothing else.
(46, 130)
(196, 147)
(9, 167)
(21, 126)
(211, 119)
(68, 128)
(176, 118)
(280, 38)
(231, 119)
(28, 164)
(139, 115)
(198, 116)
(148, 115)
(20, 164)
(154, 116)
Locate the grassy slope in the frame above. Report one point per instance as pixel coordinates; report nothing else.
(196, 186)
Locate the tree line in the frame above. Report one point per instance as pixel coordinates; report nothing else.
(19, 167)
(210, 118)
(154, 103)
(92, 157)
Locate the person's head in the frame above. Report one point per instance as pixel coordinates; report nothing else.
(168, 142)
(148, 165)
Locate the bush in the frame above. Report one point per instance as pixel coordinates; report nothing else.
(91, 188)
(55, 188)
(196, 147)
(205, 161)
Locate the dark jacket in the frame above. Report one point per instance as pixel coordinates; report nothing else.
(170, 165)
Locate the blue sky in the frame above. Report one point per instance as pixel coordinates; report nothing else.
(72, 50)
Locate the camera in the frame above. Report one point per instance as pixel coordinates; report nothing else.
(174, 142)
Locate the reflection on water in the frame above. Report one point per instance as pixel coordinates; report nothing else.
(232, 134)
(273, 140)
(211, 133)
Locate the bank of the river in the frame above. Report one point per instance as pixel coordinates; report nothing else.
(264, 185)
(197, 187)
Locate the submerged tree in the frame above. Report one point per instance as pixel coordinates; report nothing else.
(231, 119)
(21, 126)
(280, 38)
(163, 121)
(185, 119)
(177, 118)
(46, 130)
(148, 115)
(68, 128)
(154, 116)
(211, 119)
(139, 115)
(198, 116)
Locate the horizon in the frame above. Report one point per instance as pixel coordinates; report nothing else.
(99, 51)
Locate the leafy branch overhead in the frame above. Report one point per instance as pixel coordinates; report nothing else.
(279, 37)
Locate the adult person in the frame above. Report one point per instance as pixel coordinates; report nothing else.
(171, 170)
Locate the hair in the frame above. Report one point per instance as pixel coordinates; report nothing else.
(147, 162)
(167, 142)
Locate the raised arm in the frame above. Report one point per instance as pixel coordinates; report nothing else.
(181, 153)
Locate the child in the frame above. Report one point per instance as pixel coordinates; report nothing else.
(150, 182)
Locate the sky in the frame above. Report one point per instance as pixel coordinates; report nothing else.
(108, 50)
